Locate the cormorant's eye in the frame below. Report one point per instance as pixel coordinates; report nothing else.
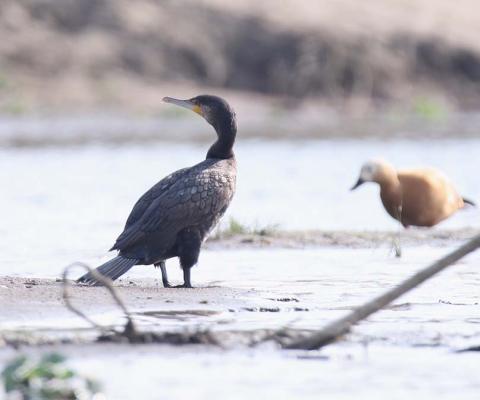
(197, 107)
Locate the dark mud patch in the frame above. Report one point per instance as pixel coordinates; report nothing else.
(177, 314)
(468, 349)
(223, 338)
(261, 309)
(273, 309)
(286, 299)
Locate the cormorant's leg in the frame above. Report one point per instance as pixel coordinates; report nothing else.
(189, 242)
(186, 278)
(163, 268)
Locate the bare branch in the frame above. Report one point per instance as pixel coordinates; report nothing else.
(342, 326)
(129, 326)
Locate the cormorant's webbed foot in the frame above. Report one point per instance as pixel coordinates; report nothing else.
(163, 268)
(183, 286)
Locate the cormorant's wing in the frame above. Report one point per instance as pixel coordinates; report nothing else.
(147, 199)
(197, 196)
(193, 200)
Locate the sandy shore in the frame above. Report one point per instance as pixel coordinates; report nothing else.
(34, 313)
(26, 300)
(34, 310)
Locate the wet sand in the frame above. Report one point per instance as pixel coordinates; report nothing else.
(32, 301)
(402, 350)
(259, 283)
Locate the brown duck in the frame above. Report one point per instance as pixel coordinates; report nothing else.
(417, 197)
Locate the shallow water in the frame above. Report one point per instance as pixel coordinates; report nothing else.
(62, 204)
(68, 204)
(358, 372)
(349, 371)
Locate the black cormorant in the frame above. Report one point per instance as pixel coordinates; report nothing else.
(175, 216)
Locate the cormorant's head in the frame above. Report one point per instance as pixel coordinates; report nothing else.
(214, 109)
(373, 171)
(217, 113)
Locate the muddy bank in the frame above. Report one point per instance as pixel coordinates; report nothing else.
(34, 313)
(312, 238)
(209, 331)
(245, 296)
(261, 119)
(88, 54)
(25, 300)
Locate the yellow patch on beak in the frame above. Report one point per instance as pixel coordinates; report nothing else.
(197, 109)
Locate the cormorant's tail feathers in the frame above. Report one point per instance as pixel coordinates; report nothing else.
(469, 202)
(112, 269)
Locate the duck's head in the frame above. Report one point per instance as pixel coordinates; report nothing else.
(373, 171)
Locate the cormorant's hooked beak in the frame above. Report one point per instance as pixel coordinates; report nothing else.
(359, 182)
(190, 105)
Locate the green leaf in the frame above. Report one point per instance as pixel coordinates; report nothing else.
(64, 374)
(14, 365)
(54, 358)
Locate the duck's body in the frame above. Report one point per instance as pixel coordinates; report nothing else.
(174, 217)
(426, 197)
(414, 197)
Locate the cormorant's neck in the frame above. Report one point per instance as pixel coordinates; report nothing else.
(226, 129)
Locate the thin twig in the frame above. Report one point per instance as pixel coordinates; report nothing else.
(343, 325)
(129, 327)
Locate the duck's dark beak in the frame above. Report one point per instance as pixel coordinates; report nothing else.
(188, 104)
(359, 182)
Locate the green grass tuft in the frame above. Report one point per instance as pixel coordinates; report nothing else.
(429, 109)
(235, 228)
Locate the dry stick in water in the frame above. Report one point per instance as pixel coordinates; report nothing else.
(129, 327)
(342, 326)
